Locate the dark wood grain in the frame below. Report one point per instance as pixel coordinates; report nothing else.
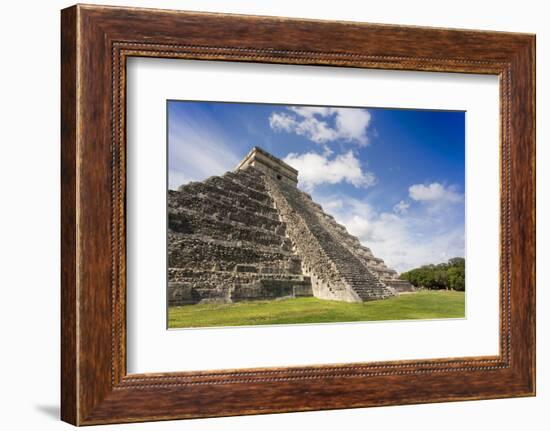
(69, 398)
(96, 41)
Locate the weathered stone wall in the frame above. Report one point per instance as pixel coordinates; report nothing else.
(272, 289)
(399, 285)
(187, 221)
(201, 252)
(193, 287)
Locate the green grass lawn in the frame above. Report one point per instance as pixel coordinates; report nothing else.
(420, 305)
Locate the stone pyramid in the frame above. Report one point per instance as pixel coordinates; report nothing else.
(251, 234)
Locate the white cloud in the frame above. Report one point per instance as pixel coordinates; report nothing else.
(404, 241)
(434, 192)
(350, 124)
(310, 111)
(197, 150)
(316, 130)
(315, 169)
(401, 207)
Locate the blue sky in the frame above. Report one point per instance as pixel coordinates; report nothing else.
(393, 177)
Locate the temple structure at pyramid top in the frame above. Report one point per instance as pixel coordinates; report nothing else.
(253, 234)
(269, 165)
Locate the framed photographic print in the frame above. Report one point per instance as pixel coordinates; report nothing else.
(255, 234)
(268, 215)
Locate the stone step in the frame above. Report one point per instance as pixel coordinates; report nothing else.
(215, 194)
(226, 183)
(230, 197)
(181, 274)
(190, 221)
(199, 240)
(196, 251)
(225, 210)
(192, 286)
(400, 285)
(255, 184)
(376, 265)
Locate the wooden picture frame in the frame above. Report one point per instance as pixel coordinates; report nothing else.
(95, 43)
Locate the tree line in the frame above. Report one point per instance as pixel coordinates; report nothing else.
(449, 275)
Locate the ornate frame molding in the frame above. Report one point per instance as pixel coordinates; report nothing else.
(96, 41)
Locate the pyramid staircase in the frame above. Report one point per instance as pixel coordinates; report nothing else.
(349, 271)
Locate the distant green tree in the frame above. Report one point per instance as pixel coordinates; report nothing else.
(457, 261)
(450, 275)
(456, 276)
